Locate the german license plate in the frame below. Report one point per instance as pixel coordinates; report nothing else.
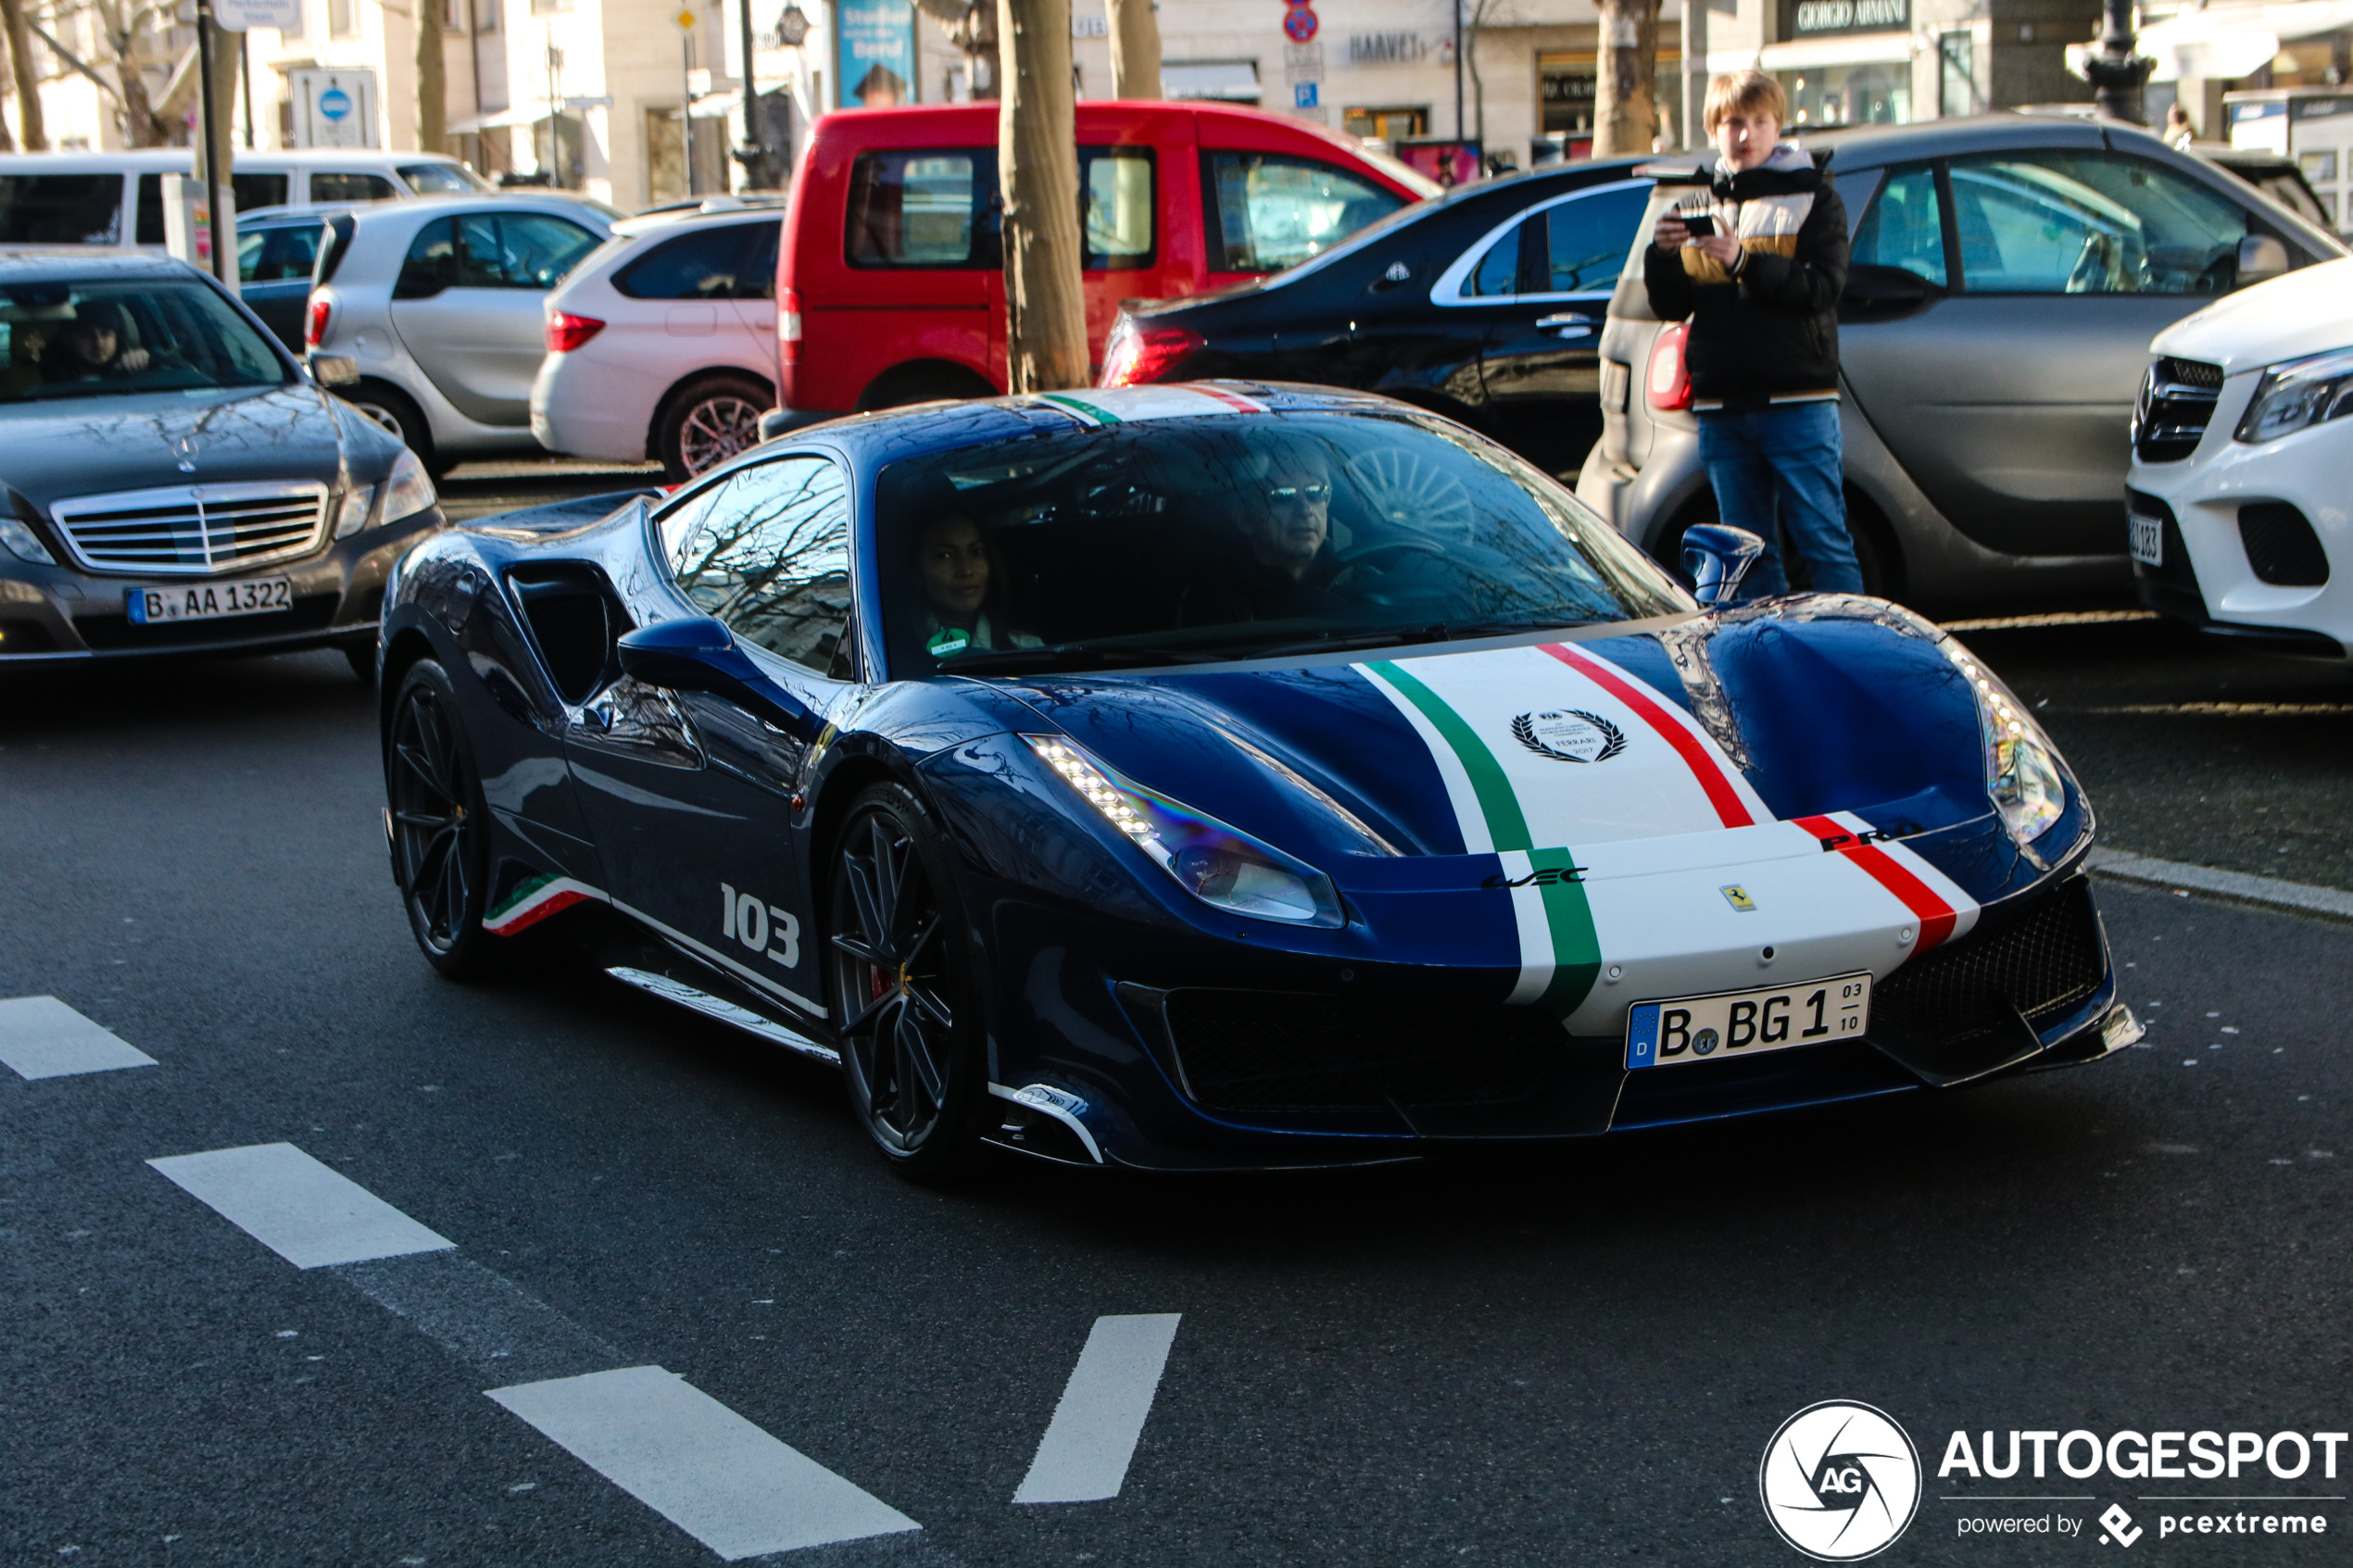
(2148, 539)
(209, 601)
(1681, 1029)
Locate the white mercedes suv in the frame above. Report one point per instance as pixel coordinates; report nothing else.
(2240, 489)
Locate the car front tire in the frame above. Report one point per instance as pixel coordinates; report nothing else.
(906, 1011)
(439, 824)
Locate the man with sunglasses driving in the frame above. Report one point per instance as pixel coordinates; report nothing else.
(1287, 522)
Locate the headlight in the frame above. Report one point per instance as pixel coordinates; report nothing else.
(2298, 393)
(408, 491)
(23, 543)
(1219, 865)
(2022, 771)
(353, 517)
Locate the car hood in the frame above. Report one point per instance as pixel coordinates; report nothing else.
(2309, 311)
(82, 446)
(1733, 724)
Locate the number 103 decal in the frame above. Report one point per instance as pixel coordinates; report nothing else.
(757, 924)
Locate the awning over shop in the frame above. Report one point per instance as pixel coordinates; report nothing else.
(523, 114)
(1234, 82)
(2223, 41)
(714, 105)
(1812, 54)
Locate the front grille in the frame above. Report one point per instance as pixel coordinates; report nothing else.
(2176, 405)
(193, 530)
(1283, 1051)
(2038, 961)
(2280, 545)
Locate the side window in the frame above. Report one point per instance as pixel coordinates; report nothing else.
(257, 190)
(704, 264)
(64, 210)
(1589, 237)
(518, 250)
(921, 208)
(282, 253)
(326, 189)
(430, 265)
(1904, 228)
(758, 278)
(2092, 222)
(1497, 273)
(1275, 212)
(1117, 206)
(769, 555)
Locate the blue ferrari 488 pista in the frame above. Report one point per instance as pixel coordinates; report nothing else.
(1229, 775)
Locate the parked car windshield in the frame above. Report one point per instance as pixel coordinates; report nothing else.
(114, 337)
(1182, 540)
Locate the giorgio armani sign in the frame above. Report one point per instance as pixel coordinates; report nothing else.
(1813, 19)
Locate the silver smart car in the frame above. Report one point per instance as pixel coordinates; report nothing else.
(2009, 273)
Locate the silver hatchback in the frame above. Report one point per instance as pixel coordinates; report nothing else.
(442, 302)
(2009, 273)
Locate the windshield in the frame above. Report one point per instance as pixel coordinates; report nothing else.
(96, 339)
(1182, 540)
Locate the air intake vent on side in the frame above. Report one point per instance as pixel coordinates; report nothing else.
(2280, 545)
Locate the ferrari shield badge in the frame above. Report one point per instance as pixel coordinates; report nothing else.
(1573, 736)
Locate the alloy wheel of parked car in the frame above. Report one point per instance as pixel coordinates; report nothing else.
(901, 993)
(437, 811)
(709, 423)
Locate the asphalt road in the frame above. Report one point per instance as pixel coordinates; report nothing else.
(1572, 1357)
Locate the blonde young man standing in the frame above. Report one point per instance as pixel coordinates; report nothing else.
(1761, 293)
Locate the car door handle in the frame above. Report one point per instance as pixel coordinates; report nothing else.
(1569, 322)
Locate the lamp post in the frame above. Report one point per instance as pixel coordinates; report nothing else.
(2116, 72)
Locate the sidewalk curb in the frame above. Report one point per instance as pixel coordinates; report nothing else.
(2236, 887)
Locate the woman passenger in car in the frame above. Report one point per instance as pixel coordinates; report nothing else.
(956, 566)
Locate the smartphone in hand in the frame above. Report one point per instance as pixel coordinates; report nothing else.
(1701, 225)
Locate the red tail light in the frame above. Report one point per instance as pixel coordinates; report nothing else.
(567, 331)
(314, 325)
(1137, 355)
(1669, 380)
(788, 325)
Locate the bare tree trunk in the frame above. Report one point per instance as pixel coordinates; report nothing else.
(1038, 157)
(1135, 49)
(432, 80)
(224, 112)
(7, 142)
(1624, 118)
(25, 75)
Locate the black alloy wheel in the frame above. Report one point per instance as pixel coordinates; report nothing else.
(903, 1003)
(438, 847)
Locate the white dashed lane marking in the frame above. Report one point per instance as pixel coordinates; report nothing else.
(300, 1210)
(676, 1449)
(699, 1464)
(1084, 1455)
(42, 1037)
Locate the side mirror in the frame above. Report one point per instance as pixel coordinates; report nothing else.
(1715, 558)
(1879, 293)
(334, 370)
(2260, 257)
(698, 654)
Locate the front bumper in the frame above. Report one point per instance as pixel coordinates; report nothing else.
(61, 614)
(2209, 575)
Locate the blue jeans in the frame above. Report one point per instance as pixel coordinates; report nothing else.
(1789, 459)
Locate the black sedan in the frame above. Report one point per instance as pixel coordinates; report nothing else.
(172, 481)
(1485, 305)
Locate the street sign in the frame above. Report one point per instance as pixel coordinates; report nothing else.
(334, 109)
(239, 16)
(1299, 22)
(686, 20)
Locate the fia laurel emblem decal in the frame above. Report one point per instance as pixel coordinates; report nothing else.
(1573, 736)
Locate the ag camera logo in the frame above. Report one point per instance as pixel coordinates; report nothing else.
(1839, 1482)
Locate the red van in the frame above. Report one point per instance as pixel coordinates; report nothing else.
(890, 285)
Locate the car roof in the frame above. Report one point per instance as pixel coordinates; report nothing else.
(77, 263)
(645, 223)
(257, 158)
(476, 201)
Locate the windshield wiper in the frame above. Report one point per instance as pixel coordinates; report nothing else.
(1392, 636)
(1062, 655)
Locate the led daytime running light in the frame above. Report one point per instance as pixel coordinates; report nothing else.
(2022, 771)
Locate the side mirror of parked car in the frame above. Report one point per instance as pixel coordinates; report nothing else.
(698, 654)
(1882, 293)
(2260, 257)
(1715, 558)
(333, 370)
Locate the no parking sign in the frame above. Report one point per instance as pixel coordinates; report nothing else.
(1299, 21)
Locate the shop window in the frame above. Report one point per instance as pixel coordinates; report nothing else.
(1388, 125)
(1957, 76)
(1904, 227)
(1865, 95)
(2070, 222)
